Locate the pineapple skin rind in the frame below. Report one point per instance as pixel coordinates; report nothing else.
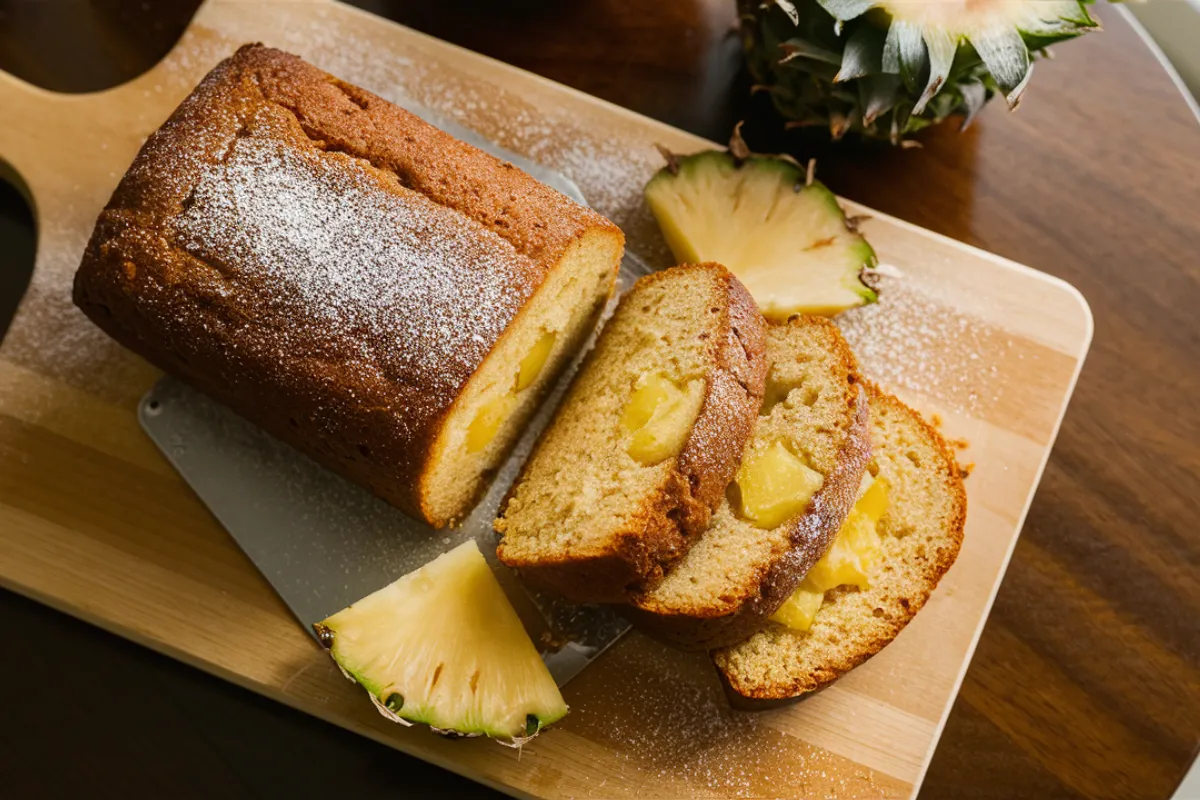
(804, 90)
(546, 709)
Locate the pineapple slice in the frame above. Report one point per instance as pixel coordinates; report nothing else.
(849, 561)
(487, 422)
(800, 609)
(659, 416)
(534, 360)
(775, 485)
(494, 412)
(782, 234)
(443, 646)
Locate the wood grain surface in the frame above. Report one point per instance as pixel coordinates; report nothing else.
(1085, 683)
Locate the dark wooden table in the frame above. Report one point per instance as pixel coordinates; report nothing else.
(1086, 682)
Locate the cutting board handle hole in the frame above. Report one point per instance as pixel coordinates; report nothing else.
(18, 231)
(145, 39)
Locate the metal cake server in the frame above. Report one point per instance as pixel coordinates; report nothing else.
(324, 542)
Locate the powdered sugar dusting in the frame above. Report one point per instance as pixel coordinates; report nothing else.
(663, 716)
(320, 247)
(610, 171)
(911, 338)
(49, 334)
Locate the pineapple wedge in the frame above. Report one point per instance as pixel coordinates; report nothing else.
(782, 233)
(443, 646)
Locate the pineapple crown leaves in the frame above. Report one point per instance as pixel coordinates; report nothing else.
(789, 8)
(913, 47)
(799, 48)
(863, 55)
(903, 65)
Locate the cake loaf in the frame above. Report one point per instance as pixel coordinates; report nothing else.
(385, 298)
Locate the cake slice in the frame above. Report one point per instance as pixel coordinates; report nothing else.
(797, 481)
(385, 298)
(918, 538)
(639, 453)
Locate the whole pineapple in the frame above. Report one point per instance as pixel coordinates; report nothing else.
(886, 68)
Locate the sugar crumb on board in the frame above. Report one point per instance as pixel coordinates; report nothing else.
(913, 339)
(663, 716)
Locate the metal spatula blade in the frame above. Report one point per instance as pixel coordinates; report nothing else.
(324, 542)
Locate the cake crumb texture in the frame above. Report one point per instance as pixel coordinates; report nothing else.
(921, 532)
(586, 519)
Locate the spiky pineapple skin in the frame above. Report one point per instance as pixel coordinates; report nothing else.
(803, 89)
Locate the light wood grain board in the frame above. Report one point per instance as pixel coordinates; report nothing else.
(93, 521)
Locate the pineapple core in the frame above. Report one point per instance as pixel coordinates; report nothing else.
(775, 485)
(849, 561)
(492, 415)
(659, 416)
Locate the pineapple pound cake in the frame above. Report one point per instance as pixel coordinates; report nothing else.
(387, 299)
(903, 535)
(796, 483)
(642, 448)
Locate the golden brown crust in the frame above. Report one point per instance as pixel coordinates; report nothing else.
(746, 608)
(897, 611)
(666, 523)
(222, 253)
(733, 394)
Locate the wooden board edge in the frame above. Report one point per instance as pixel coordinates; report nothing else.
(1073, 298)
(1012, 546)
(268, 691)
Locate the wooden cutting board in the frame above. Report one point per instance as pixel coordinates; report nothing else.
(93, 520)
